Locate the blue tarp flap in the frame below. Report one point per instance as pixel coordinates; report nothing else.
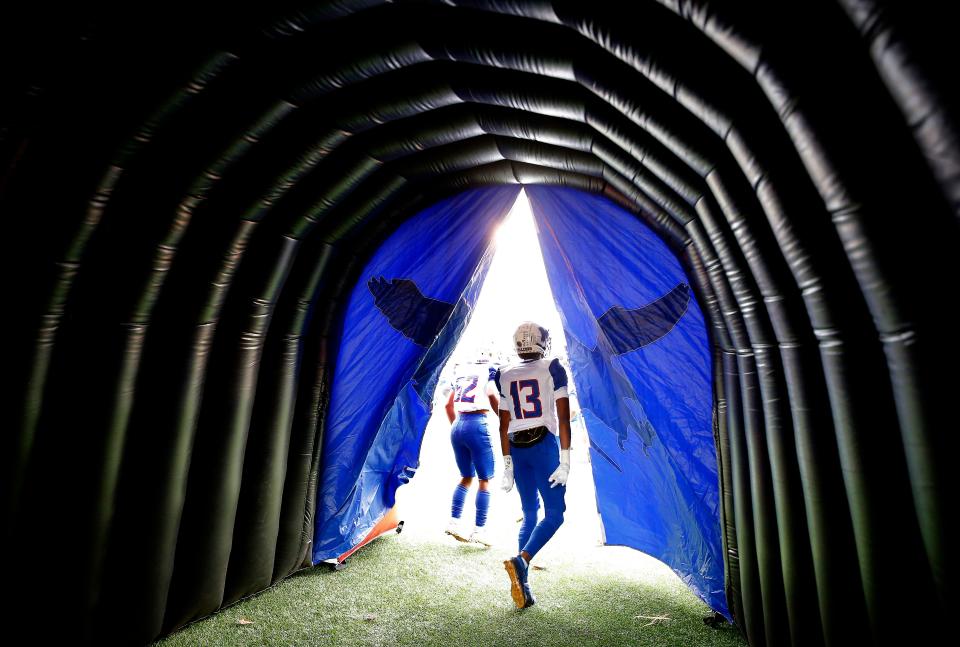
(641, 363)
(414, 295)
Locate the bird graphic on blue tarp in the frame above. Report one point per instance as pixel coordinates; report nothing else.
(431, 323)
(620, 331)
(419, 318)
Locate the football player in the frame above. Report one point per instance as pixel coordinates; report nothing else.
(535, 440)
(472, 397)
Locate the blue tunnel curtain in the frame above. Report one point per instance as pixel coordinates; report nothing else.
(641, 364)
(638, 352)
(403, 320)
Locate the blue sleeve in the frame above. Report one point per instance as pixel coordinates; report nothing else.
(558, 373)
(494, 372)
(496, 380)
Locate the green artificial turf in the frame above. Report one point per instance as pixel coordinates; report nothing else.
(410, 591)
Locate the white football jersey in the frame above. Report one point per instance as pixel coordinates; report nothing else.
(471, 385)
(529, 391)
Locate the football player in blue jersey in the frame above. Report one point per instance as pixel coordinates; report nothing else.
(535, 440)
(472, 397)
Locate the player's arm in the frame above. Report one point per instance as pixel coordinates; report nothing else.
(492, 394)
(504, 429)
(560, 475)
(559, 376)
(504, 408)
(494, 401)
(563, 419)
(451, 416)
(507, 483)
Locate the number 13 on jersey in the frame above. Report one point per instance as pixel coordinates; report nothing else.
(530, 390)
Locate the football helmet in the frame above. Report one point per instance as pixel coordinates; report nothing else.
(531, 338)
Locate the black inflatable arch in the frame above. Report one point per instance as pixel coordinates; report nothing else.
(190, 194)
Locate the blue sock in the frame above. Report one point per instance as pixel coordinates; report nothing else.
(459, 497)
(483, 504)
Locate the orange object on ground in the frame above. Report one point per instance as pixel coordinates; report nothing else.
(388, 523)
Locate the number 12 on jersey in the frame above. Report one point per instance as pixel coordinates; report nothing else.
(530, 389)
(463, 389)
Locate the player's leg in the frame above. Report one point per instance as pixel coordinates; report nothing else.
(517, 567)
(481, 451)
(525, 481)
(545, 458)
(539, 462)
(461, 453)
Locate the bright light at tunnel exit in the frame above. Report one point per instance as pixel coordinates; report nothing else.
(516, 289)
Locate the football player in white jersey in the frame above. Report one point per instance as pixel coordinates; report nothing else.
(472, 397)
(535, 440)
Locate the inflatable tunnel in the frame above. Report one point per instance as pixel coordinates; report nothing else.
(749, 215)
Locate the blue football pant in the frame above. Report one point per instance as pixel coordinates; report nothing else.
(471, 446)
(532, 467)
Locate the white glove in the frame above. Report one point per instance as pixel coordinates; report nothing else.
(559, 476)
(507, 483)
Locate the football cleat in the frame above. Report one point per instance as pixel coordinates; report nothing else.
(481, 536)
(519, 588)
(453, 529)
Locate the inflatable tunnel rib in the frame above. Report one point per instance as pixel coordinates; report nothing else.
(193, 196)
